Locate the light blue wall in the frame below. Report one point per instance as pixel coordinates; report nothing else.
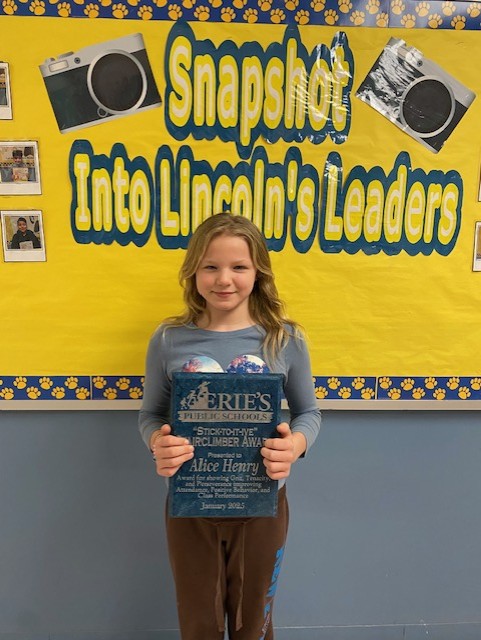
(384, 543)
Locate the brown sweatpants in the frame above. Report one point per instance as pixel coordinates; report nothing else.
(227, 567)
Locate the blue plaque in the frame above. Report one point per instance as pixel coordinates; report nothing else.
(227, 417)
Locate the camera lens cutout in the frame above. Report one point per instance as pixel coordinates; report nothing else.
(117, 82)
(428, 106)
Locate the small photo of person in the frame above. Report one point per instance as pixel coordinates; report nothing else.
(23, 236)
(3, 88)
(5, 102)
(19, 169)
(477, 247)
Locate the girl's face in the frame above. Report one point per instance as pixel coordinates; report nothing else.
(226, 276)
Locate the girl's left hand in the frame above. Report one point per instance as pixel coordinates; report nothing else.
(280, 453)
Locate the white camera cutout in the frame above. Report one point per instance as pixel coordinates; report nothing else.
(100, 82)
(415, 94)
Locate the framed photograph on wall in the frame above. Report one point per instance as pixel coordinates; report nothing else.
(22, 234)
(5, 93)
(477, 248)
(19, 168)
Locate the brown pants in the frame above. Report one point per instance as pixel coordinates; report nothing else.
(227, 567)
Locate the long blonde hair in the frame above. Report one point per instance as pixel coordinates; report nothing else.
(265, 306)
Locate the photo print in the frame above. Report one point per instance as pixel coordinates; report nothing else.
(22, 234)
(19, 168)
(5, 94)
(416, 94)
(101, 82)
(477, 248)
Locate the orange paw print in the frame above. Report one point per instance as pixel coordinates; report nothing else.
(123, 383)
(71, 382)
(265, 5)
(474, 9)
(358, 18)
(418, 393)
(37, 7)
(227, 14)
(119, 11)
(448, 8)
(408, 21)
(333, 383)
(302, 17)
(367, 393)
(430, 382)
(277, 16)
(64, 10)
(435, 21)
(422, 9)
(251, 16)
(394, 393)
(202, 13)
(464, 393)
(20, 382)
(385, 382)
(358, 383)
(439, 394)
(92, 11)
(397, 7)
(407, 384)
(458, 22)
(45, 383)
(174, 12)
(9, 7)
(331, 17)
(453, 383)
(145, 13)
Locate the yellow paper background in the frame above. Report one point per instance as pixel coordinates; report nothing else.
(91, 308)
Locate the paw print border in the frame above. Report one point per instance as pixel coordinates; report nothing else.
(420, 14)
(108, 388)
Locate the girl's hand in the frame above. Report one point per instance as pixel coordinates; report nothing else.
(280, 453)
(170, 452)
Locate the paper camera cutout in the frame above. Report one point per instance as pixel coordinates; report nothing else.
(101, 82)
(415, 94)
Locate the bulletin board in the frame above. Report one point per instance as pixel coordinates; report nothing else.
(289, 113)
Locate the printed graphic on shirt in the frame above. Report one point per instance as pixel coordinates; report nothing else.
(203, 364)
(240, 364)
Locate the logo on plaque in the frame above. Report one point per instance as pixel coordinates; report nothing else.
(227, 417)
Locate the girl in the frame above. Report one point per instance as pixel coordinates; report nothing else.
(227, 568)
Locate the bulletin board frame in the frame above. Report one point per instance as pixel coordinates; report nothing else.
(438, 381)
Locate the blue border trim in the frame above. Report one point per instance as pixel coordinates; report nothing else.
(425, 14)
(130, 387)
(71, 387)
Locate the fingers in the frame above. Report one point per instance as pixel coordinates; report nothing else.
(284, 429)
(170, 452)
(277, 470)
(278, 453)
(283, 444)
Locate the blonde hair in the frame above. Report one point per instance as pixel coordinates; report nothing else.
(265, 306)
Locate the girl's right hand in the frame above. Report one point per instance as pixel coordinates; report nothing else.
(170, 452)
